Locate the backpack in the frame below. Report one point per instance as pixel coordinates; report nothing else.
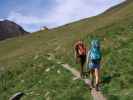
(95, 53)
(81, 49)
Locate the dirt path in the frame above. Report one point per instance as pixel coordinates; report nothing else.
(96, 95)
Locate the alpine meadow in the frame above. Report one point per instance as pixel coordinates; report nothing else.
(30, 63)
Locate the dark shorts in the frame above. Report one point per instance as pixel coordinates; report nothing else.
(82, 59)
(94, 64)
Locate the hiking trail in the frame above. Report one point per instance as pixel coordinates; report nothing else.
(97, 95)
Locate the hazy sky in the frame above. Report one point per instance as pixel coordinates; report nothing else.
(33, 14)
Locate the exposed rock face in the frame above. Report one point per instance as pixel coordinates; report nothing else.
(10, 29)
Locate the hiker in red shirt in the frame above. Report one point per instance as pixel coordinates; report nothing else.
(80, 54)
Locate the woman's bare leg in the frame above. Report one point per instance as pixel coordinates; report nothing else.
(97, 76)
(92, 76)
(81, 70)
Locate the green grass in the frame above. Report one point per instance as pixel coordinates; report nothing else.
(23, 60)
(32, 78)
(117, 61)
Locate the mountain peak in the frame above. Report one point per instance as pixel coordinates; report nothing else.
(10, 29)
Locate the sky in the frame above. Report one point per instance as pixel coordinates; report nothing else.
(34, 14)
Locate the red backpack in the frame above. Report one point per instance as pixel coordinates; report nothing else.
(81, 49)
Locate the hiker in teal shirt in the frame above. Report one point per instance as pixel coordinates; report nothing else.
(93, 63)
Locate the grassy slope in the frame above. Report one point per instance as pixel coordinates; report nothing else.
(117, 61)
(115, 28)
(33, 78)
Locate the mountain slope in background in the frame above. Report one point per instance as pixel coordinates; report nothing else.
(26, 67)
(10, 29)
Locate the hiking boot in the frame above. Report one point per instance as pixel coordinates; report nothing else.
(84, 75)
(97, 87)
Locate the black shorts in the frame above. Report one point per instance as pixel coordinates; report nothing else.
(97, 61)
(94, 64)
(82, 59)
